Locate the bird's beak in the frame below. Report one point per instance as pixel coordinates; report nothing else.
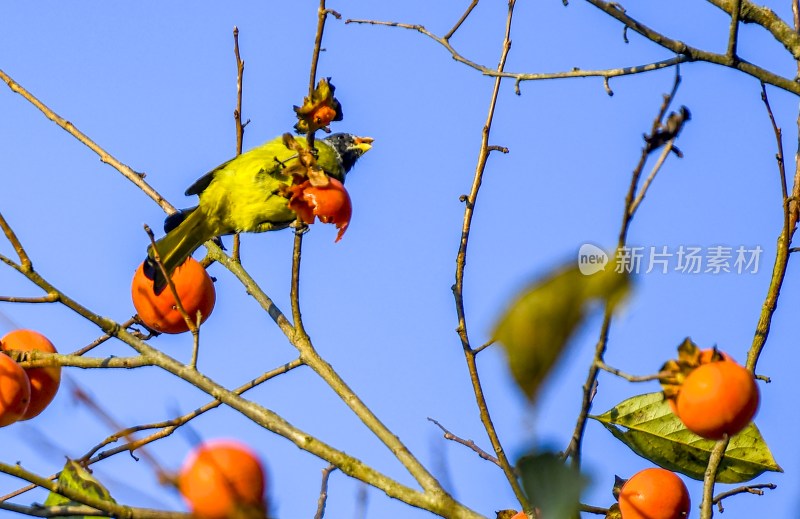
(363, 143)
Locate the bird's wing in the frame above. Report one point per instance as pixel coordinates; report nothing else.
(265, 159)
(202, 183)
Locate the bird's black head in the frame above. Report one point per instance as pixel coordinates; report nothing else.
(349, 147)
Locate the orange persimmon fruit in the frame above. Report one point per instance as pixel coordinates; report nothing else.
(160, 312)
(15, 391)
(222, 479)
(323, 115)
(654, 493)
(717, 398)
(44, 382)
(330, 203)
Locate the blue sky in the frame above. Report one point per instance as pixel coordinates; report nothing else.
(154, 85)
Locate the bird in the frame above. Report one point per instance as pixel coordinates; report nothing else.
(245, 194)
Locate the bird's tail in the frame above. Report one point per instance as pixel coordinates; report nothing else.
(179, 243)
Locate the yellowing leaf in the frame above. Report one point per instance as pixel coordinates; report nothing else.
(655, 433)
(537, 327)
(78, 479)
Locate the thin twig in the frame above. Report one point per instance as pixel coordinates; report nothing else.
(695, 54)
(237, 117)
(322, 15)
(527, 76)
(105, 157)
(461, 260)
(632, 378)
(589, 387)
(649, 180)
(167, 427)
(80, 395)
(297, 316)
(733, 37)
(790, 217)
(710, 476)
(467, 443)
(100, 340)
(765, 17)
(294, 296)
(49, 298)
(75, 494)
(748, 489)
(589, 509)
(323, 491)
(685, 53)
(24, 260)
(483, 346)
(461, 20)
(37, 510)
(193, 327)
(41, 359)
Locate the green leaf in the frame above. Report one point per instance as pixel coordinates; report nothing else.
(655, 433)
(78, 479)
(552, 486)
(537, 327)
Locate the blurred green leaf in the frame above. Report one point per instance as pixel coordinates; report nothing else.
(536, 328)
(655, 433)
(77, 478)
(552, 486)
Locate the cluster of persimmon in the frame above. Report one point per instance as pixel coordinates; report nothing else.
(25, 392)
(223, 479)
(710, 392)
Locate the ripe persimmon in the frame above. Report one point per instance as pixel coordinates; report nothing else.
(15, 391)
(717, 398)
(654, 493)
(222, 479)
(331, 204)
(160, 312)
(44, 381)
